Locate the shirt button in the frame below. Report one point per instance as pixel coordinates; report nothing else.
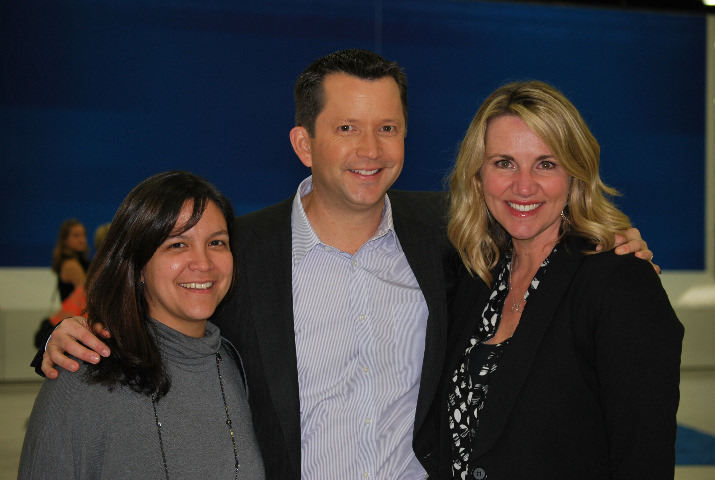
(479, 474)
(368, 421)
(365, 474)
(362, 317)
(365, 369)
(326, 248)
(354, 263)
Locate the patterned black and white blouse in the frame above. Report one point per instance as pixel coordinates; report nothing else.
(470, 381)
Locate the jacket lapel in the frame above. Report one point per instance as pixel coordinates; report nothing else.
(271, 296)
(514, 366)
(422, 245)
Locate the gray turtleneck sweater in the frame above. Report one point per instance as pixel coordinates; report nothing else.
(83, 431)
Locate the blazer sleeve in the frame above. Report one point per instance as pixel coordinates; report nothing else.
(636, 341)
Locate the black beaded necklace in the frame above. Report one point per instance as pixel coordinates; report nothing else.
(228, 422)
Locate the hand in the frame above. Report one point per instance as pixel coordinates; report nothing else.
(66, 338)
(630, 241)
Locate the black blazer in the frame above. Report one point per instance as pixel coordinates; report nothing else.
(258, 318)
(587, 388)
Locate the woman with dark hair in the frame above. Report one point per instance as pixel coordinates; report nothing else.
(566, 366)
(70, 257)
(170, 401)
(70, 260)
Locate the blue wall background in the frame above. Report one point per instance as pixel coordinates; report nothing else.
(97, 95)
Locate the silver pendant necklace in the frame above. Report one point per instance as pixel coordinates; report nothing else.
(515, 306)
(228, 422)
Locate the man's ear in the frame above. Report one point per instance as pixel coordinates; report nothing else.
(300, 139)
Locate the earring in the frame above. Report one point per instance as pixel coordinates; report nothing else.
(489, 214)
(565, 218)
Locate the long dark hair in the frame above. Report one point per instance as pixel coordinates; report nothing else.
(115, 297)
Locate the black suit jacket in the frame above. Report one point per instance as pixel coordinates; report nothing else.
(258, 318)
(588, 386)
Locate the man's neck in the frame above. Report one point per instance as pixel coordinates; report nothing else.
(347, 231)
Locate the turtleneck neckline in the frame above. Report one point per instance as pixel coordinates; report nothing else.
(188, 351)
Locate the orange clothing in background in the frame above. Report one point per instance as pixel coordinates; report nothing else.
(74, 305)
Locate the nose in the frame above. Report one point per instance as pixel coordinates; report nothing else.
(524, 183)
(368, 145)
(201, 260)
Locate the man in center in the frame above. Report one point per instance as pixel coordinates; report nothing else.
(343, 306)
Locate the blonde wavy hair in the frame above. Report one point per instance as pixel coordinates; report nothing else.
(478, 238)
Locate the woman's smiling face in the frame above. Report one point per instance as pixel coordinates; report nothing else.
(525, 187)
(190, 273)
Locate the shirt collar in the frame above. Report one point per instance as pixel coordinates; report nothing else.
(305, 238)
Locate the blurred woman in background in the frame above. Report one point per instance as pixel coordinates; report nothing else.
(70, 258)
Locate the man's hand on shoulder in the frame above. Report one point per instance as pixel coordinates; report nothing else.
(630, 241)
(66, 339)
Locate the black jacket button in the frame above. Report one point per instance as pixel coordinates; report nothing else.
(479, 473)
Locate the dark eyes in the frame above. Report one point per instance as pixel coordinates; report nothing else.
(213, 243)
(385, 128)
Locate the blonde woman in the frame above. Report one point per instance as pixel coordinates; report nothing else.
(567, 364)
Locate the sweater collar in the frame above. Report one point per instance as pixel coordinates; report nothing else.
(179, 348)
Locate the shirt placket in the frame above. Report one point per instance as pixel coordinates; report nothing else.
(367, 413)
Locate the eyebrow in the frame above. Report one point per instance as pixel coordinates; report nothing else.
(509, 157)
(217, 233)
(344, 120)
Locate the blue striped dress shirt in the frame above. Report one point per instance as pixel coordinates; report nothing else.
(360, 323)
